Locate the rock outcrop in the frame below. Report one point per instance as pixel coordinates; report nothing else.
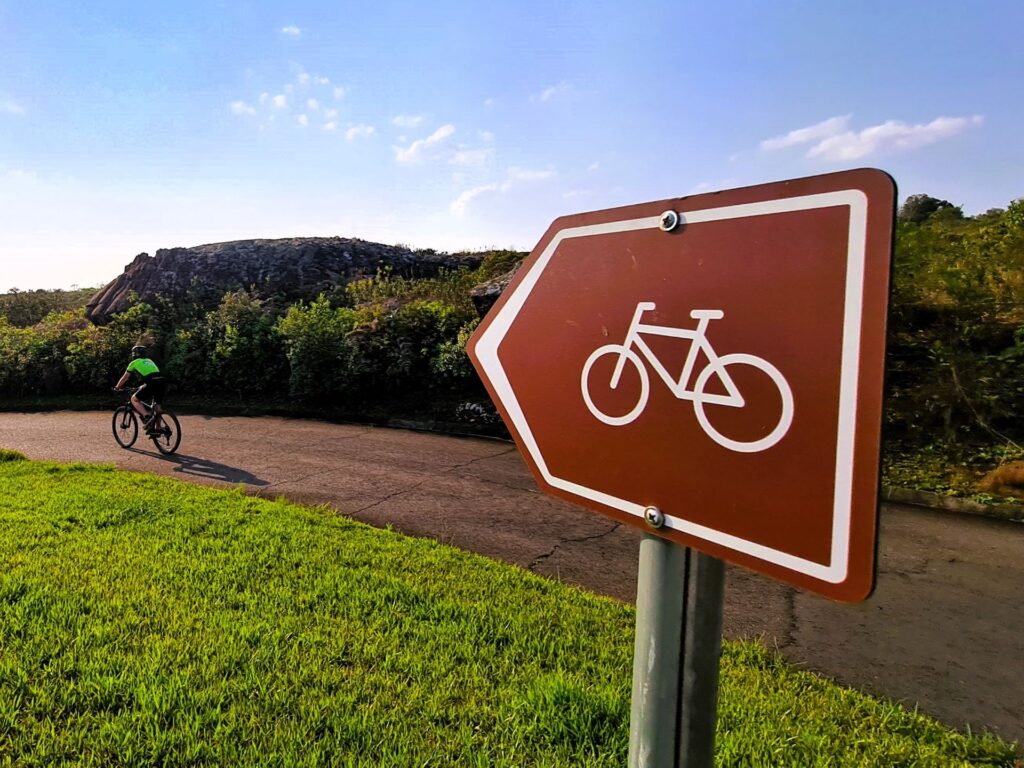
(294, 268)
(486, 294)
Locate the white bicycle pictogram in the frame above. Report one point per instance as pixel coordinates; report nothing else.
(717, 366)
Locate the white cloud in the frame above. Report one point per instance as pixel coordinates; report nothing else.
(458, 206)
(892, 134)
(291, 31)
(331, 126)
(264, 98)
(280, 101)
(815, 132)
(521, 174)
(550, 93)
(339, 92)
(303, 78)
(832, 140)
(357, 131)
(241, 108)
(490, 103)
(486, 136)
(513, 177)
(415, 151)
(322, 80)
(330, 114)
(313, 104)
(472, 157)
(11, 107)
(407, 121)
(303, 120)
(594, 166)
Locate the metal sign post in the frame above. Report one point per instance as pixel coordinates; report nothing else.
(676, 656)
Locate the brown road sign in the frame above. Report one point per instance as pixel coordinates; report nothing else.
(717, 358)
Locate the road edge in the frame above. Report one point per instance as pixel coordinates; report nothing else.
(1010, 512)
(928, 499)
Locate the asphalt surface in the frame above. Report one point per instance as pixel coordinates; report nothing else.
(944, 630)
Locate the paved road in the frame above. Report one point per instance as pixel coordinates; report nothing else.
(944, 630)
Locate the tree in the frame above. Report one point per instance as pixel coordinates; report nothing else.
(917, 209)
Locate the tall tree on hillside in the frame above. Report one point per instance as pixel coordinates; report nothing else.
(917, 209)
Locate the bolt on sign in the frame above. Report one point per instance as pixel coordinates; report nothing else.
(715, 362)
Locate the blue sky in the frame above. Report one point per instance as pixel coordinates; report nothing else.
(127, 127)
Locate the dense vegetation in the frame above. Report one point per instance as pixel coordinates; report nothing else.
(956, 343)
(24, 308)
(149, 622)
(389, 344)
(382, 341)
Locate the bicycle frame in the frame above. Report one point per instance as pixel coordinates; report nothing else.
(698, 337)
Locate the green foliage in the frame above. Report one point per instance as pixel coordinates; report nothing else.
(917, 209)
(26, 308)
(236, 348)
(148, 622)
(497, 263)
(99, 354)
(957, 336)
(451, 363)
(33, 358)
(449, 287)
(397, 342)
(320, 353)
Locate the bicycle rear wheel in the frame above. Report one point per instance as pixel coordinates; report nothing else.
(125, 426)
(164, 442)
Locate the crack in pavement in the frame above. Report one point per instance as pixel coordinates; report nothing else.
(789, 633)
(505, 452)
(386, 498)
(299, 479)
(541, 558)
(378, 502)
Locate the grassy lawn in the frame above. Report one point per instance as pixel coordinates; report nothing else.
(145, 621)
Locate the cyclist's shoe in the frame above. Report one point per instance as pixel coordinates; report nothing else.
(166, 431)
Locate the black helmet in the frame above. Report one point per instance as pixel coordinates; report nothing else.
(138, 351)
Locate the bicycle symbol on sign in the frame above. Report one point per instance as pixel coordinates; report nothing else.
(717, 366)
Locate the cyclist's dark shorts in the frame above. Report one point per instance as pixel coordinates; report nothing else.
(155, 387)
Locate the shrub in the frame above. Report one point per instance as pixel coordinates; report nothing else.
(319, 351)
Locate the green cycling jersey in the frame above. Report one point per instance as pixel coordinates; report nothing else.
(143, 366)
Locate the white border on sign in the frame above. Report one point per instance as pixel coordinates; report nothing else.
(836, 570)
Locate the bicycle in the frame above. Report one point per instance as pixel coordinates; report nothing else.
(717, 366)
(126, 426)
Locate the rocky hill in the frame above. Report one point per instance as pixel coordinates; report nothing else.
(295, 268)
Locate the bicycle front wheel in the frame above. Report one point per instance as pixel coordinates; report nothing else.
(126, 426)
(168, 440)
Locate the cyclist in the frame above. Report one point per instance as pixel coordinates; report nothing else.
(142, 368)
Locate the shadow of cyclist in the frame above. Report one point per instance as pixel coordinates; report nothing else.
(211, 470)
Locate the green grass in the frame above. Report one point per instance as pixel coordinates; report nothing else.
(145, 621)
